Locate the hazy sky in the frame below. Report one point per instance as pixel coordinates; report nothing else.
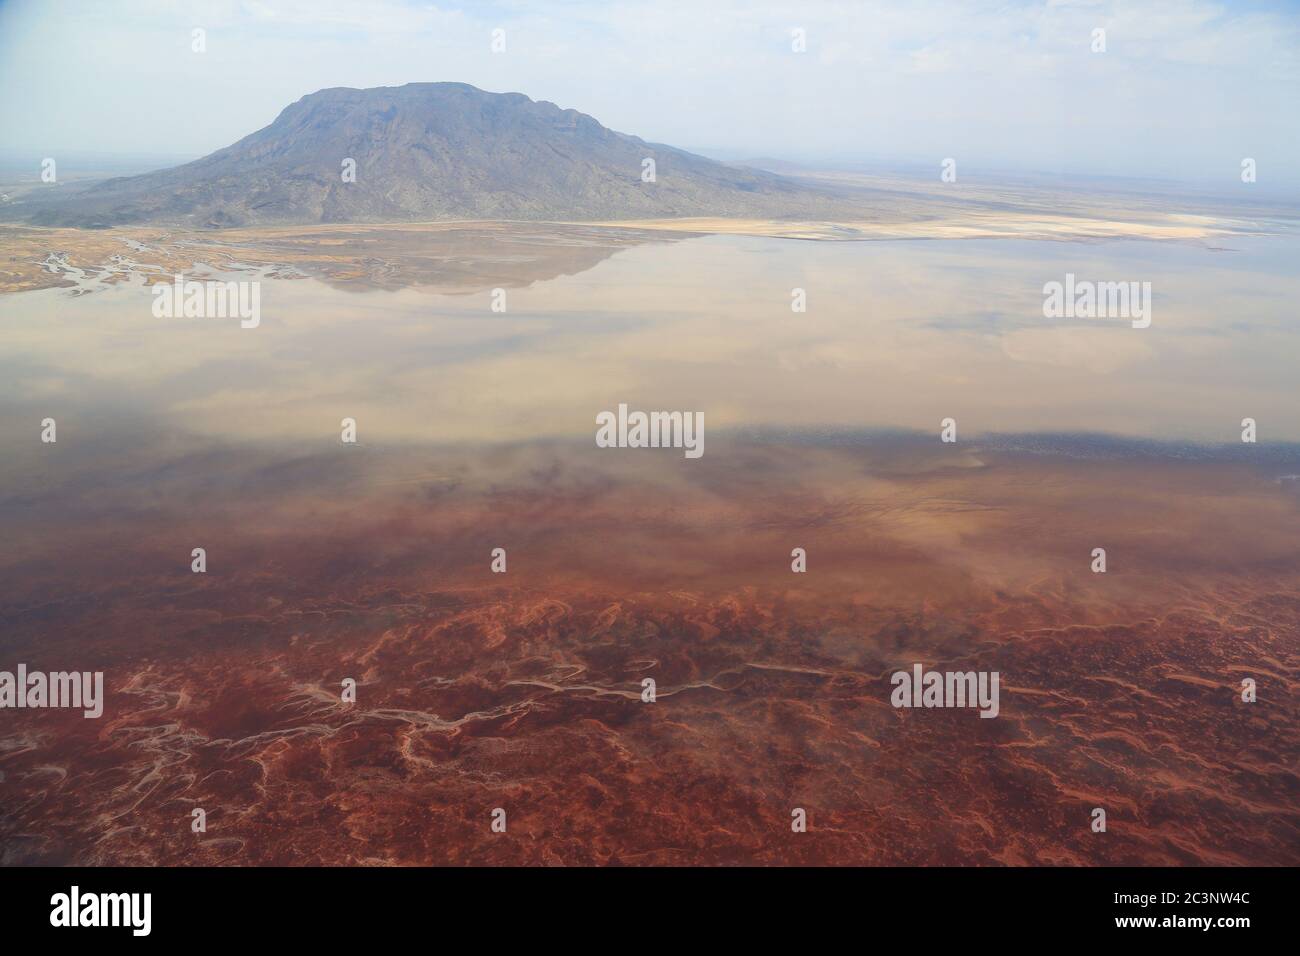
(1184, 90)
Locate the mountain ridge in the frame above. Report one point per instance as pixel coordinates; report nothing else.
(429, 152)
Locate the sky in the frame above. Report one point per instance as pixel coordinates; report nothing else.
(1183, 90)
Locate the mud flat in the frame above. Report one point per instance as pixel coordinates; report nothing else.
(972, 226)
(441, 257)
(458, 256)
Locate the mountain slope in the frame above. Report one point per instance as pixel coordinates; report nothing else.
(429, 151)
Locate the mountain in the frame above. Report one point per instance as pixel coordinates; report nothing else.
(430, 151)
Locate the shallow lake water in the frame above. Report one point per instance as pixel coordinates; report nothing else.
(896, 335)
(522, 688)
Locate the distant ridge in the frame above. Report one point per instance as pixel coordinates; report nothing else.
(429, 151)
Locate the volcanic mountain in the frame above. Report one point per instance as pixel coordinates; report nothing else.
(429, 151)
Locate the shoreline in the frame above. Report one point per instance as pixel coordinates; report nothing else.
(40, 257)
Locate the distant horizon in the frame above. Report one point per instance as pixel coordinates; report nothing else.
(22, 164)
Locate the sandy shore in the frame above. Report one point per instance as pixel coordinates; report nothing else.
(970, 226)
(447, 256)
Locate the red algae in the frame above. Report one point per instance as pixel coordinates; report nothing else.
(524, 690)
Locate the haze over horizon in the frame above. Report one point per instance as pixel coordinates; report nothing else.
(1182, 92)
